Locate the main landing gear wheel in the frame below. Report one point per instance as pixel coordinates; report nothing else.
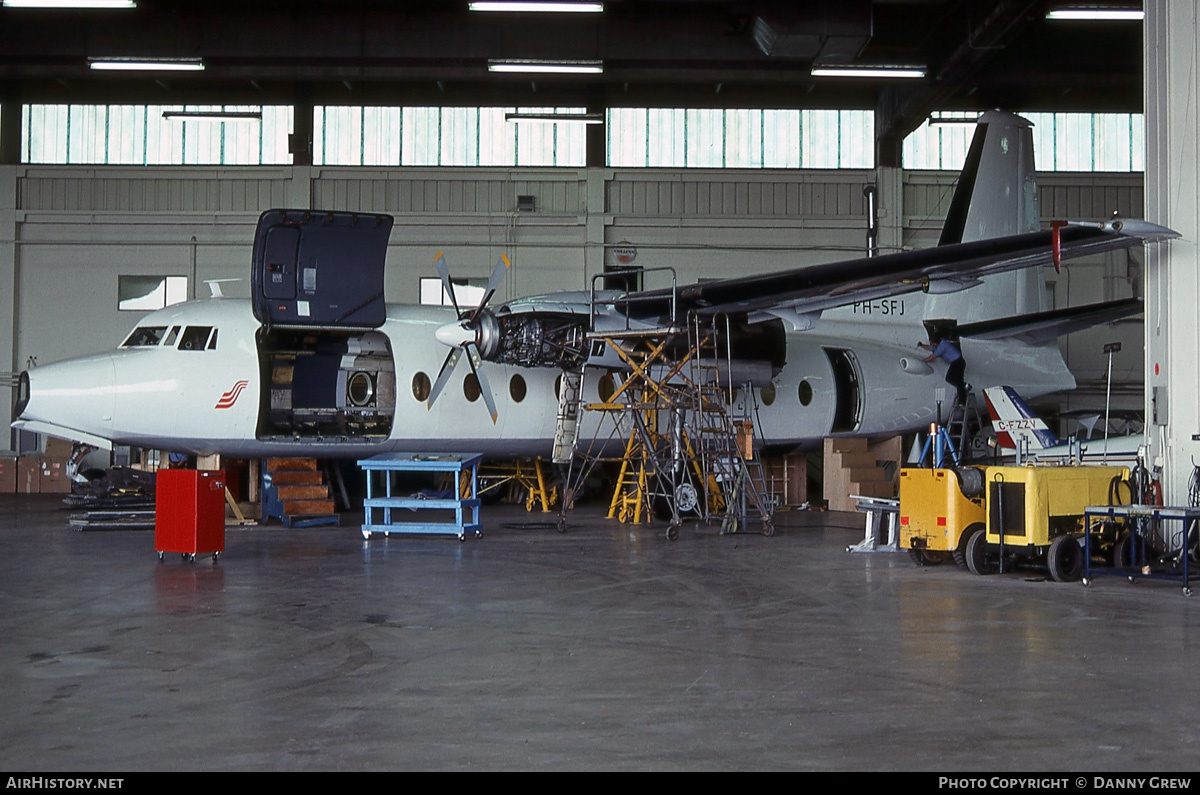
(1065, 559)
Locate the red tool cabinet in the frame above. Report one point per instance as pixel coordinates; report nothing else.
(189, 512)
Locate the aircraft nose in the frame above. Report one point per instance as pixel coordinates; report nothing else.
(77, 394)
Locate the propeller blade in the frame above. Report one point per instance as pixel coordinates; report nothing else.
(444, 374)
(476, 362)
(444, 271)
(498, 273)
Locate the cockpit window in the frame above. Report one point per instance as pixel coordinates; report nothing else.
(194, 338)
(172, 335)
(144, 335)
(212, 341)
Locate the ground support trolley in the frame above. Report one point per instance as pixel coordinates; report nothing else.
(1149, 542)
(381, 496)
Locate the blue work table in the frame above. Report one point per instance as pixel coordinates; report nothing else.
(387, 464)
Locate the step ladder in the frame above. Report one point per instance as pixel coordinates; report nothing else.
(731, 473)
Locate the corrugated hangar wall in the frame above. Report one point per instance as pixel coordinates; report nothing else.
(68, 232)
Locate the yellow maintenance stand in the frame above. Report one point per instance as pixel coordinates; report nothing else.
(939, 510)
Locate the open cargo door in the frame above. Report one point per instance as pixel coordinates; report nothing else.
(319, 268)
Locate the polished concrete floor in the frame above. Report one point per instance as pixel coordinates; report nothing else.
(606, 648)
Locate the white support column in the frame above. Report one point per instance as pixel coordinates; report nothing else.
(1173, 198)
(8, 286)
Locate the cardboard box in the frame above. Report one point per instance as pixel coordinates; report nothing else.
(8, 474)
(29, 474)
(58, 448)
(54, 478)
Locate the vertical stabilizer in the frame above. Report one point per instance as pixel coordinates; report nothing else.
(1014, 421)
(996, 195)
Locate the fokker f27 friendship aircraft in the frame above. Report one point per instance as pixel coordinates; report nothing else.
(831, 348)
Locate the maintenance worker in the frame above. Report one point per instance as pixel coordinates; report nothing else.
(951, 354)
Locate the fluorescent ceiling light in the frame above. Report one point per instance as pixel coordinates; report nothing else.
(1125, 14)
(909, 72)
(548, 67)
(578, 118)
(101, 4)
(214, 115)
(147, 64)
(534, 6)
(953, 117)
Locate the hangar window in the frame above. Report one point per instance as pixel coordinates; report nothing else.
(740, 138)
(1061, 142)
(147, 293)
(468, 292)
(431, 136)
(148, 135)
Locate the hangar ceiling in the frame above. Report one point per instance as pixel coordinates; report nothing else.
(667, 53)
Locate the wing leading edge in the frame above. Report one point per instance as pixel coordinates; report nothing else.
(945, 268)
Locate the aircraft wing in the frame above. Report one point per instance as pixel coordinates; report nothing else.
(1038, 327)
(940, 269)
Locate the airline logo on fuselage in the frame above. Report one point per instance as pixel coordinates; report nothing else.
(229, 398)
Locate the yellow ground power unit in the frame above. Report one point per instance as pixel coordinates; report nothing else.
(1035, 516)
(939, 509)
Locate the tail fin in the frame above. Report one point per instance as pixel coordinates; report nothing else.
(1014, 421)
(997, 190)
(996, 196)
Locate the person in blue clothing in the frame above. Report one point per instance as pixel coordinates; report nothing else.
(951, 354)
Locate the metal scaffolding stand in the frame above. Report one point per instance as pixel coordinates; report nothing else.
(667, 425)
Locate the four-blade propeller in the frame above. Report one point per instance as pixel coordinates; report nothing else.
(476, 333)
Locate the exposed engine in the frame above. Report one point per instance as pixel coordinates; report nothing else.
(539, 340)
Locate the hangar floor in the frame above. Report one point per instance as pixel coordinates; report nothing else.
(605, 648)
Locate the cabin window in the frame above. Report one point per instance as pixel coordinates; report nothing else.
(194, 338)
(421, 386)
(144, 335)
(516, 388)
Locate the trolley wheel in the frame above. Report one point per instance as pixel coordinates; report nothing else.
(191, 557)
(768, 528)
(160, 554)
(216, 555)
(183, 556)
(1086, 582)
(1065, 559)
(979, 560)
(366, 535)
(479, 534)
(462, 538)
(562, 524)
(672, 532)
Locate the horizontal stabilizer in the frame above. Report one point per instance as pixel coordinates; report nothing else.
(1041, 327)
